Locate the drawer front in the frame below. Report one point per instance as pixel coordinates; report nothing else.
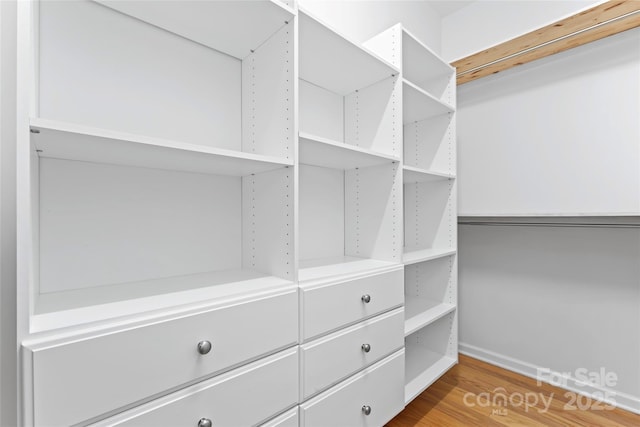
(288, 419)
(103, 373)
(330, 307)
(243, 397)
(379, 387)
(332, 358)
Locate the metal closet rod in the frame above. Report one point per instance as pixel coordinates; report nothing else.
(584, 222)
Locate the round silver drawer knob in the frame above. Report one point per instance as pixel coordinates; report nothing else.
(366, 298)
(205, 422)
(204, 347)
(366, 348)
(366, 409)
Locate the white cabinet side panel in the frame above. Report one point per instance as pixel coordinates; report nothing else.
(267, 222)
(321, 206)
(105, 224)
(101, 68)
(267, 97)
(373, 212)
(321, 112)
(373, 117)
(428, 144)
(430, 216)
(558, 136)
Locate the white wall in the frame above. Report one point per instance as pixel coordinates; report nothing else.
(557, 136)
(360, 20)
(561, 298)
(486, 23)
(8, 369)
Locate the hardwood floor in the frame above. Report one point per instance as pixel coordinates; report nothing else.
(470, 395)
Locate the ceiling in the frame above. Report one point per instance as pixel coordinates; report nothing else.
(447, 7)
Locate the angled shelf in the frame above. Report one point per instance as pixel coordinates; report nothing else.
(413, 256)
(79, 306)
(331, 267)
(420, 63)
(233, 27)
(318, 151)
(59, 140)
(333, 62)
(420, 312)
(422, 370)
(412, 175)
(417, 104)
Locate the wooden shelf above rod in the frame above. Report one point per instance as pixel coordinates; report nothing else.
(603, 20)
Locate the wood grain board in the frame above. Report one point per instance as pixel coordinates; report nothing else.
(601, 21)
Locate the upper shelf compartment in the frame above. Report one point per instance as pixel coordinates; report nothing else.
(233, 27)
(420, 63)
(419, 105)
(331, 61)
(73, 142)
(318, 151)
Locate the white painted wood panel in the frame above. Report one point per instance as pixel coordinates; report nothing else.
(379, 387)
(318, 151)
(329, 60)
(430, 352)
(267, 223)
(321, 210)
(431, 144)
(288, 419)
(372, 117)
(106, 224)
(267, 96)
(244, 397)
(230, 26)
(343, 299)
(130, 365)
(321, 112)
(332, 358)
(558, 136)
(373, 212)
(68, 141)
(430, 215)
(138, 79)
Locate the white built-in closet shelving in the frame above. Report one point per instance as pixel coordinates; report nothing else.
(349, 154)
(235, 172)
(195, 111)
(429, 172)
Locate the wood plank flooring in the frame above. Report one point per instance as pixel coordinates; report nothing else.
(469, 395)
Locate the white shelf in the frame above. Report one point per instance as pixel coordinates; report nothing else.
(413, 175)
(318, 151)
(74, 142)
(74, 307)
(413, 256)
(421, 63)
(420, 312)
(423, 368)
(232, 27)
(331, 61)
(419, 105)
(323, 268)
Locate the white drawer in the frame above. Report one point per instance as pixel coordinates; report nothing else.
(243, 397)
(329, 307)
(102, 373)
(288, 419)
(379, 387)
(334, 357)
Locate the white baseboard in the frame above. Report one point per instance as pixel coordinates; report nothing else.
(621, 400)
